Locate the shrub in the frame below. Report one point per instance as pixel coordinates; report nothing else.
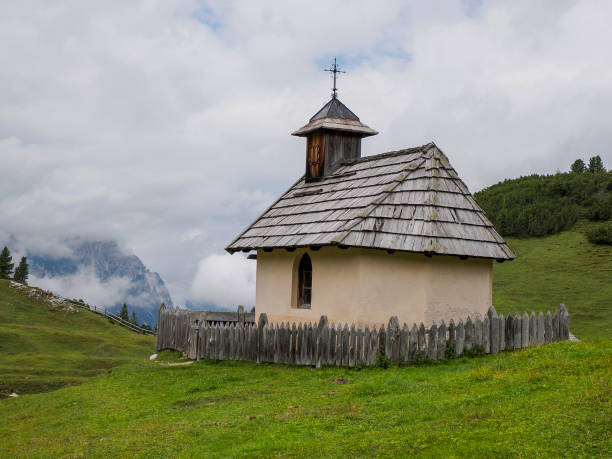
(450, 353)
(476, 351)
(601, 234)
(381, 359)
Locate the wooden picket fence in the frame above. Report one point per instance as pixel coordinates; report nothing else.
(321, 343)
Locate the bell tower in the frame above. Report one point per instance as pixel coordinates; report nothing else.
(333, 136)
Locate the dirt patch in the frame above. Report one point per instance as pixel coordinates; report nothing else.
(175, 364)
(339, 381)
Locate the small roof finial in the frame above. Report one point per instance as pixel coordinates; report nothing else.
(335, 70)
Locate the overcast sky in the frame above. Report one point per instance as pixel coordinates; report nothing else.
(166, 125)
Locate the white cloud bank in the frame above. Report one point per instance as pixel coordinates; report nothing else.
(165, 125)
(85, 285)
(225, 280)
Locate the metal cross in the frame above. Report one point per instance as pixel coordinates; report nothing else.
(335, 70)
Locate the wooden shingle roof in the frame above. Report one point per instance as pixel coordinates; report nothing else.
(409, 200)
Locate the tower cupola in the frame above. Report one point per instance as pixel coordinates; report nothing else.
(333, 136)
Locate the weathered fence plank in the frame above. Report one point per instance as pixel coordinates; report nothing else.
(516, 323)
(441, 342)
(413, 347)
(486, 335)
(478, 332)
(345, 346)
(432, 342)
(469, 334)
(352, 345)
(548, 328)
(404, 354)
(533, 330)
(495, 334)
(422, 342)
(459, 338)
(525, 330)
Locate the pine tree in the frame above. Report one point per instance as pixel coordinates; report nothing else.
(596, 164)
(134, 319)
(22, 272)
(6, 265)
(578, 166)
(124, 312)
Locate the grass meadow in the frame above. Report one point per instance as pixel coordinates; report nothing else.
(88, 388)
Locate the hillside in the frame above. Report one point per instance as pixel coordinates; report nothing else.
(562, 268)
(549, 401)
(538, 205)
(44, 347)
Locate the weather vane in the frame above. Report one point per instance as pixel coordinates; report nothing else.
(335, 70)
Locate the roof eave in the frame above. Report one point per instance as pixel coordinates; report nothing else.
(335, 124)
(233, 250)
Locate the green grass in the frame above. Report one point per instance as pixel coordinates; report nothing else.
(552, 401)
(562, 268)
(43, 348)
(549, 401)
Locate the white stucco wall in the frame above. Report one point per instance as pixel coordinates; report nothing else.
(369, 286)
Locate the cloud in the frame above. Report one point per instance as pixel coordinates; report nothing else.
(225, 280)
(165, 125)
(85, 285)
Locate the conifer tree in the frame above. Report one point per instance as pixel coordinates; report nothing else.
(6, 265)
(124, 312)
(22, 271)
(134, 319)
(578, 166)
(596, 164)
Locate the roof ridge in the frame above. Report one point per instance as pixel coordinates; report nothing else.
(404, 151)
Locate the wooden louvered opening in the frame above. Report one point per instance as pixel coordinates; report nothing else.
(315, 158)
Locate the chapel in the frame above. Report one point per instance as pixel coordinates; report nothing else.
(361, 239)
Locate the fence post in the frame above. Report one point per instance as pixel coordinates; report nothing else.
(533, 327)
(525, 330)
(422, 339)
(501, 323)
(321, 341)
(197, 340)
(486, 334)
(441, 341)
(564, 322)
(161, 328)
(548, 328)
(392, 341)
(413, 347)
(432, 342)
(459, 337)
(469, 334)
(490, 313)
(263, 320)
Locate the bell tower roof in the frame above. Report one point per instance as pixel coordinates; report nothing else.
(335, 116)
(335, 109)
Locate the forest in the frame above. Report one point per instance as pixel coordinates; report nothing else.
(538, 205)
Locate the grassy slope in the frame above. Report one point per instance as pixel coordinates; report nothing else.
(562, 268)
(43, 348)
(550, 401)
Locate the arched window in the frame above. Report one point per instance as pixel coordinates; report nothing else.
(305, 283)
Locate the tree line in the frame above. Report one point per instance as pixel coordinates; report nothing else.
(538, 205)
(22, 271)
(133, 319)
